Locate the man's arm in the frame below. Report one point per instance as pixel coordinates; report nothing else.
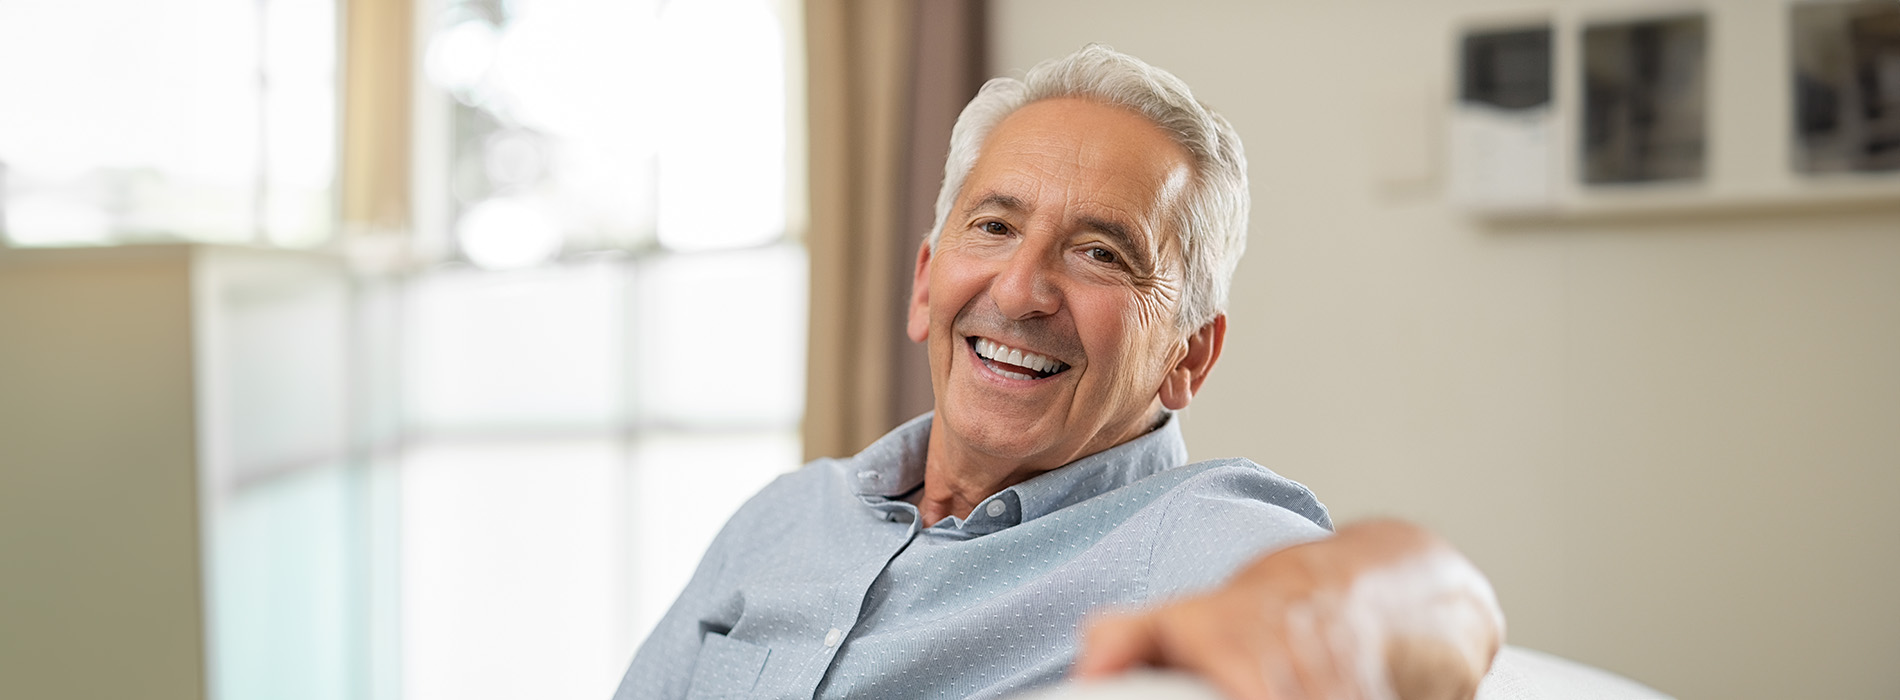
(1383, 609)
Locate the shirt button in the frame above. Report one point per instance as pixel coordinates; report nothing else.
(833, 637)
(996, 509)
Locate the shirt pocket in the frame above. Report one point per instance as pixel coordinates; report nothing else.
(727, 668)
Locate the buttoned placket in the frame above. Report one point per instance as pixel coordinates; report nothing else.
(845, 620)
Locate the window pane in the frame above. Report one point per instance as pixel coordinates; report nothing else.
(299, 103)
(554, 119)
(684, 488)
(513, 351)
(287, 608)
(278, 369)
(133, 120)
(720, 338)
(722, 161)
(510, 582)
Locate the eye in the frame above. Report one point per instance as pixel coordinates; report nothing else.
(997, 228)
(1103, 255)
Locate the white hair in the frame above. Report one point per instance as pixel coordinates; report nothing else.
(1211, 220)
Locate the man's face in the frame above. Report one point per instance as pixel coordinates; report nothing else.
(1059, 246)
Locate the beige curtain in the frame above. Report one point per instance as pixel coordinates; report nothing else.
(377, 58)
(886, 80)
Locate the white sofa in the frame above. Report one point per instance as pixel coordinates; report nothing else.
(1517, 674)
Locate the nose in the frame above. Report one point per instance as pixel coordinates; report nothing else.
(1025, 288)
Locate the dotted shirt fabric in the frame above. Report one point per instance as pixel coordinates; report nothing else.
(824, 585)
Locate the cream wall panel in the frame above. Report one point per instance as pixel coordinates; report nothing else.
(99, 566)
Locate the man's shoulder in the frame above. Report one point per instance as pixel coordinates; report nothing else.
(797, 503)
(1221, 514)
(822, 489)
(819, 481)
(1242, 480)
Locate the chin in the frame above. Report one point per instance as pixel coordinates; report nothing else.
(997, 437)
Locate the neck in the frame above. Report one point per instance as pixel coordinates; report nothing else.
(956, 477)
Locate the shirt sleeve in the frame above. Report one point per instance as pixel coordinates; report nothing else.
(1224, 518)
(663, 666)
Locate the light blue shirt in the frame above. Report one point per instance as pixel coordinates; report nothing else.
(825, 585)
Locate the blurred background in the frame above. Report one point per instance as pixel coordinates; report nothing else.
(385, 349)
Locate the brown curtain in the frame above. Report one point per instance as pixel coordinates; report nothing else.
(885, 83)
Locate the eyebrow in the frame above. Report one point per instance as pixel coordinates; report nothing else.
(998, 200)
(1114, 230)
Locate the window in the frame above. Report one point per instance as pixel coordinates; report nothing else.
(197, 120)
(483, 472)
(610, 359)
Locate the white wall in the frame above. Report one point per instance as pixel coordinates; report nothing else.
(1672, 441)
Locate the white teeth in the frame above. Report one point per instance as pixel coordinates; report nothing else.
(992, 350)
(1011, 375)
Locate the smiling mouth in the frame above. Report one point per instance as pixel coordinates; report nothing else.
(1014, 363)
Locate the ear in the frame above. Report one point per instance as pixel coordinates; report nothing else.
(1203, 348)
(919, 325)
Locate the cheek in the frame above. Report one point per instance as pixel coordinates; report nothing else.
(1148, 328)
(1116, 330)
(1152, 308)
(951, 287)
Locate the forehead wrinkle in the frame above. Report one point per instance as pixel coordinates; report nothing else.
(1097, 191)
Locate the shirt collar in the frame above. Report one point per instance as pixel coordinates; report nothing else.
(894, 465)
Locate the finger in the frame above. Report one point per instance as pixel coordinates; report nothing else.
(1358, 661)
(1239, 675)
(1243, 662)
(1316, 656)
(1345, 661)
(1116, 643)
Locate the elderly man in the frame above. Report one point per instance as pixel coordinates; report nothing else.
(1071, 297)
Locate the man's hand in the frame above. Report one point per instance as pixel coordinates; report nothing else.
(1382, 610)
